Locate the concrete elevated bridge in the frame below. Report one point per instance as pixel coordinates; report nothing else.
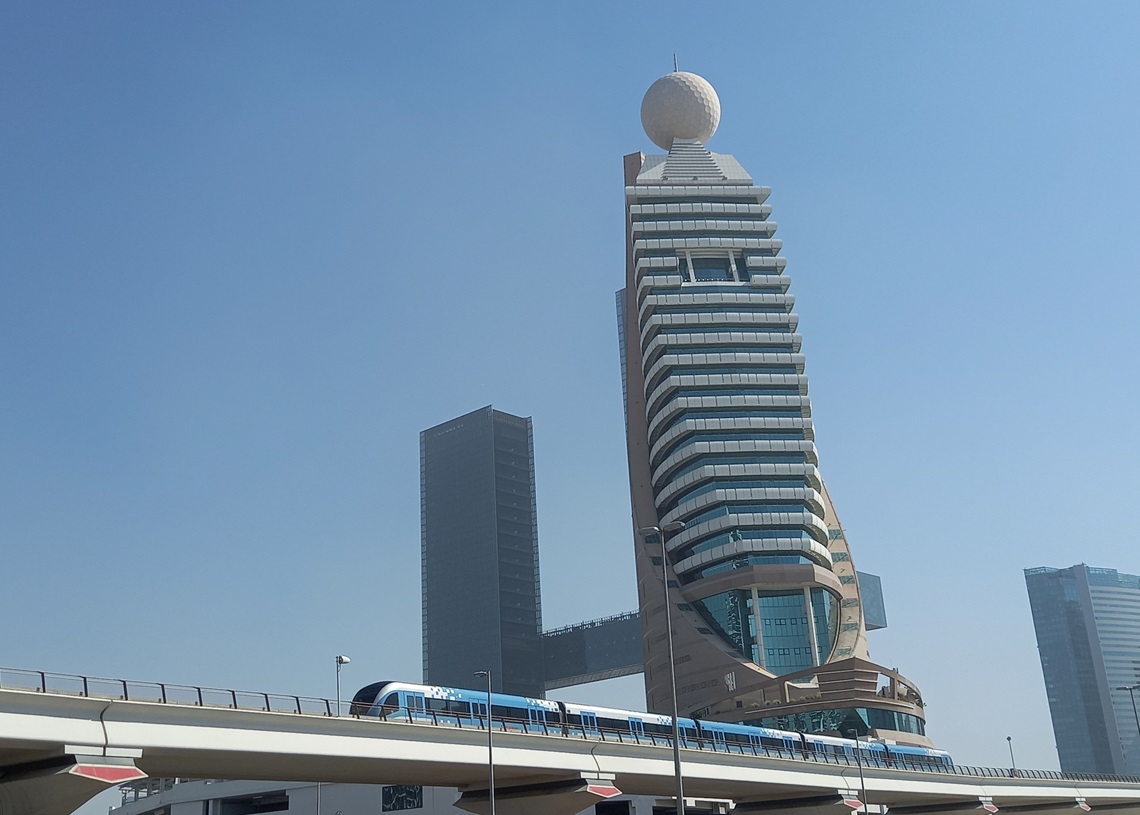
(65, 738)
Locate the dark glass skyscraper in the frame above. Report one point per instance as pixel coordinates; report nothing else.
(479, 553)
(1088, 635)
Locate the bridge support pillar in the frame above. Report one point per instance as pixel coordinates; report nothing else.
(61, 784)
(843, 802)
(1076, 806)
(967, 806)
(1124, 808)
(564, 797)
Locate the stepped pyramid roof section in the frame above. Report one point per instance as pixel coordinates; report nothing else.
(688, 162)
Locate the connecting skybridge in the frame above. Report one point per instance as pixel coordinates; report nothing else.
(65, 738)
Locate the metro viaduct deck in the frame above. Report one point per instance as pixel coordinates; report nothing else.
(57, 750)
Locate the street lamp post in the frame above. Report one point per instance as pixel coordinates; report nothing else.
(490, 744)
(1012, 760)
(859, 763)
(341, 659)
(660, 531)
(1131, 693)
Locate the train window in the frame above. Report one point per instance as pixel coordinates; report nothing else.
(514, 713)
(416, 702)
(447, 706)
(612, 724)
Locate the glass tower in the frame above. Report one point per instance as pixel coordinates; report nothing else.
(479, 553)
(1088, 636)
(767, 616)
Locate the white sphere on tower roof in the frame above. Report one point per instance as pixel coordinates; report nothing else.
(680, 105)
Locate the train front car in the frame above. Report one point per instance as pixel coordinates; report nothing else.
(366, 698)
(461, 707)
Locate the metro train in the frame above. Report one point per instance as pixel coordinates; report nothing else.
(409, 702)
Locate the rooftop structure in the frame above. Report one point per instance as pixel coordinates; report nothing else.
(592, 651)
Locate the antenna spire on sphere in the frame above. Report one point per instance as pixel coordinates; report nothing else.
(680, 105)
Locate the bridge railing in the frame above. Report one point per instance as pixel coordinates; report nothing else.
(171, 694)
(510, 725)
(162, 692)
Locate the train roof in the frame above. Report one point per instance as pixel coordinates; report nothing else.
(914, 749)
(459, 694)
(658, 718)
(735, 727)
(368, 692)
(827, 739)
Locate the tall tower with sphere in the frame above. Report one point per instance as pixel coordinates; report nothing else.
(764, 598)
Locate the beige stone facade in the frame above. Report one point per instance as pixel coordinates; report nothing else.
(765, 605)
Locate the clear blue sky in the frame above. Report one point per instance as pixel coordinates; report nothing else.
(248, 251)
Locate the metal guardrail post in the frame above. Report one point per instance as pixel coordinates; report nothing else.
(162, 690)
(85, 690)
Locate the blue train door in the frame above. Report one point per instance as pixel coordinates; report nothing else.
(637, 728)
(414, 702)
(536, 720)
(590, 722)
(479, 713)
(718, 740)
